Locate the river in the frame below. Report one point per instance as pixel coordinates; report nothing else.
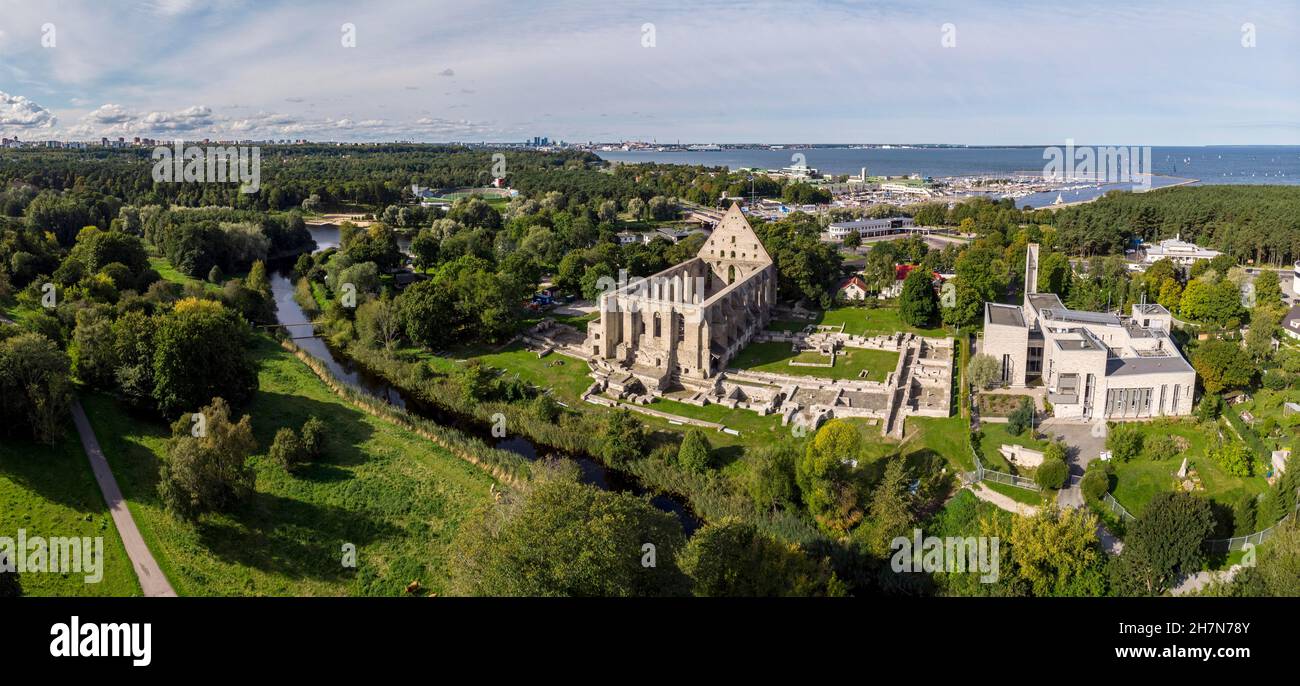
(290, 314)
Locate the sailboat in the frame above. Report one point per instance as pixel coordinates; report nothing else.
(1058, 200)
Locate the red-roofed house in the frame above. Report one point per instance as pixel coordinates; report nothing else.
(852, 288)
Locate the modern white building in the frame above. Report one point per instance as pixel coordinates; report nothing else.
(870, 228)
(1180, 251)
(1094, 364)
(1295, 279)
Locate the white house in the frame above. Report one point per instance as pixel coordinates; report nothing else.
(852, 288)
(1180, 251)
(1094, 364)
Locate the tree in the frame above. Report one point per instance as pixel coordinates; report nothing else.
(734, 559)
(607, 213)
(206, 468)
(35, 392)
(893, 507)
(287, 449)
(1096, 480)
(379, 323)
(94, 359)
(1056, 552)
(1054, 273)
(1277, 570)
(1210, 407)
(622, 439)
(1021, 418)
(1221, 365)
(852, 240)
(313, 438)
(1268, 291)
(695, 454)
(828, 488)
(424, 312)
(199, 354)
(1165, 539)
(559, 537)
(424, 248)
(983, 371)
(1052, 473)
(770, 480)
(1264, 322)
(918, 305)
(1124, 441)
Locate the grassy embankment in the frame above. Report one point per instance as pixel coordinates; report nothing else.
(399, 499)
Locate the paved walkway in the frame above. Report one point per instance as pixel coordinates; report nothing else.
(152, 580)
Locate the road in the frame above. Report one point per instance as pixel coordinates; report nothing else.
(152, 580)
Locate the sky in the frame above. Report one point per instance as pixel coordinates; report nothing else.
(978, 72)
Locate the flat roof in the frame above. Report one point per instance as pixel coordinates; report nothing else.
(1004, 315)
(1152, 308)
(1042, 301)
(1063, 314)
(1123, 366)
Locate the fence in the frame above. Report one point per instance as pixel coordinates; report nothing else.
(982, 474)
(1119, 510)
(1227, 545)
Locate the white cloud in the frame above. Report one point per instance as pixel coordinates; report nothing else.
(17, 111)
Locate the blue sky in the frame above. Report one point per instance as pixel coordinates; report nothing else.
(1150, 73)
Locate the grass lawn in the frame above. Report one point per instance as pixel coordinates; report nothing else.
(774, 358)
(948, 437)
(568, 376)
(1022, 495)
(398, 498)
(860, 321)
(1140, 479)
(169, 273)
(994, 436)
(50, 491)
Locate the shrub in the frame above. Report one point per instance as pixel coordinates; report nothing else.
(215, 275)
(1096, 481)
(695, 454)
(313, 437)
(1235, 458)
(1124, 442)
(1021, 418)
(1052, 473)
(287, 449)
(1162, 447)
(1209, 408)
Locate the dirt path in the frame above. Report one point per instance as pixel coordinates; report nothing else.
(989, 495)
(152, 580)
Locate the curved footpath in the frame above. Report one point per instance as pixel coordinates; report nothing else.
(152, 580)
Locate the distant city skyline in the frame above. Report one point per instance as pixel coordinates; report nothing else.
(1017, 73)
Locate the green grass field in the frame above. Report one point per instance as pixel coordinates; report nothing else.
(398, 498)
(50, 491)
(566, 375)
(774, 358)
(1140, 479)
(948, 437)
(860, 321)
